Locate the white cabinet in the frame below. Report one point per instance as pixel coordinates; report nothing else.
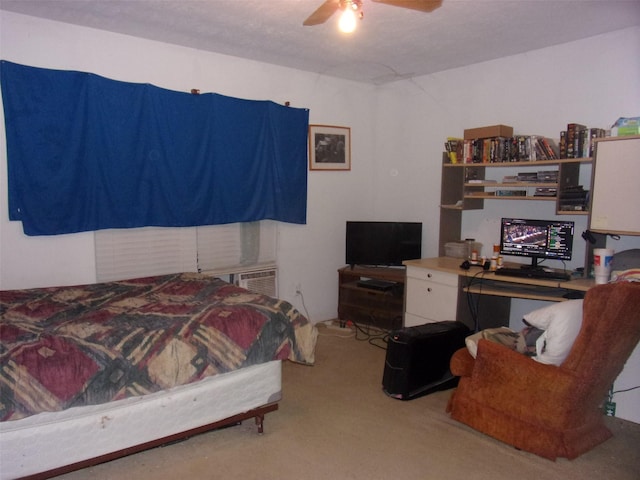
(431, 296)
(615, 194)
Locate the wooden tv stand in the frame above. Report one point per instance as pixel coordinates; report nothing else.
(360, 305)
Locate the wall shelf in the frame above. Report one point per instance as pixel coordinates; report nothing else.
(510, 184)
(488, 196)
(559, 161)
(466, 186)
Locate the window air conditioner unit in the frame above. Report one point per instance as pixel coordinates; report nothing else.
(259, 281)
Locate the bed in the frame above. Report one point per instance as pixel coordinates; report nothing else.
(108, 369)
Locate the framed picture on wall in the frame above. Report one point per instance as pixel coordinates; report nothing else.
(329, 147)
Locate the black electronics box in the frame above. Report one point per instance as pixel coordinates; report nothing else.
(417, 361)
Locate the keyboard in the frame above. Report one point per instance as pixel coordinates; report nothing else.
(532, 273)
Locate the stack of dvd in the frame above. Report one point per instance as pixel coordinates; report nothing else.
(527, 177)
(545, 192)
(574, 199)
(548, 176)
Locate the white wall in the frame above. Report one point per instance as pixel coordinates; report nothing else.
(397, 139)
(308, 254)
(593, 82)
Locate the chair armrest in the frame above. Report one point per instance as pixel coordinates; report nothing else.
(461, 364)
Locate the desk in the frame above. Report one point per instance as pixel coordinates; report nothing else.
(438, 289)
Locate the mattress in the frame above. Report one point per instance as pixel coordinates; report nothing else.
(66, 347)
(51, 440)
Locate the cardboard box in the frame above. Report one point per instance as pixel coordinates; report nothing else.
(626, 126)
(456, 250)
(488, 132)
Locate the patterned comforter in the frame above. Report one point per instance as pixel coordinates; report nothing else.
(71, 346)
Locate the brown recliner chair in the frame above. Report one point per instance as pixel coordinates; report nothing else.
(552, 411)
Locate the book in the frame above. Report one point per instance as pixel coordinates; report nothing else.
(527, 177)
(550, 147)
(562, 144)
(542, 153)
(545, 192)
(593, 134)
(510, 179)
(573, 198)
(523, 148)
(548, 176)
(573, 208)
(466, 151)
(454, 146)
(486, 150)
(510, 193)
(482, 181)
(574, 194)
(573, 139)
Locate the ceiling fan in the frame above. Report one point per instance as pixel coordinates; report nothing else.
(353, 8)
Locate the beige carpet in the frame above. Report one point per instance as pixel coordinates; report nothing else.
(336, 423)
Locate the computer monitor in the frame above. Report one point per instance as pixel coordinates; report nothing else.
(536, 239)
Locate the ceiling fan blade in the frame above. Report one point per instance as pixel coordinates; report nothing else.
(421, 5)
(323, 13)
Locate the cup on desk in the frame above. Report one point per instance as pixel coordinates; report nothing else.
(602, 259)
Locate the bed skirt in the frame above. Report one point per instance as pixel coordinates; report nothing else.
(49, 441)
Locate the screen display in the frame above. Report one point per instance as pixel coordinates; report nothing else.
(537, 239)
(383, 243)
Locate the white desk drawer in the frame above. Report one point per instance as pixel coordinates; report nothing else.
(432, 276)
(430, 300)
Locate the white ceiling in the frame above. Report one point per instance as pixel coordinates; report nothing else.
(390, 43)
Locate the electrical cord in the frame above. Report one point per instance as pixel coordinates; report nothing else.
(622, 391)
(474, 309)
(564, 266)
(381, 335)
(304, 307)
(336, 333)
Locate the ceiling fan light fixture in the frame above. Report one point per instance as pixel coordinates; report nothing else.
(347, 22)
(329, 7)
(351, 12)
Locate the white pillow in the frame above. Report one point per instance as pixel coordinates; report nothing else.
(561, 323)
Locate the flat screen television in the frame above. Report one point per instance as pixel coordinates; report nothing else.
(536, 239)
(382, 243)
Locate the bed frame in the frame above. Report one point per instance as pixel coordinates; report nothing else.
(257, 413)
(93, 435)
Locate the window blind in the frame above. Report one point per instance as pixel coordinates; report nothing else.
(231, 248)
(142, 252)
(148, 251)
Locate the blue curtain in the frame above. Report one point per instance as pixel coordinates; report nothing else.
(87, 153)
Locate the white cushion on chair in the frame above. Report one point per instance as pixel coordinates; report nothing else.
(561, 323)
